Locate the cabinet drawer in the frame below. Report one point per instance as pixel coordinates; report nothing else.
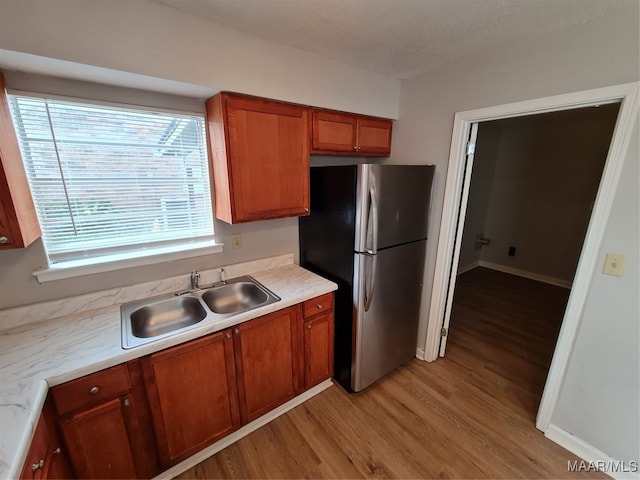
(92, 389)
(317, 305)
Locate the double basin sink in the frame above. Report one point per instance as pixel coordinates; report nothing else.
(151, 319)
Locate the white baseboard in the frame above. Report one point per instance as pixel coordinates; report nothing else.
(202, 455)
(420, 353)
(525, 274)
(468, 267)
(593, 458)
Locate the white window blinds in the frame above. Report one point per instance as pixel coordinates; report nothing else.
(107, 179)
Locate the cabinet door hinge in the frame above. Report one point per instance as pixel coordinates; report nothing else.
(443, 332)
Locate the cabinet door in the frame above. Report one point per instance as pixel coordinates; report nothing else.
(374, 136)
(75, 400)
(18, 221)
(191, 390)
(350, 134)
(268, 158)
(7, 237)
(46, 458)
(98, 441)
(268, 361)
(35, 462)
(333, 132)
(58, 467)
(318, 349)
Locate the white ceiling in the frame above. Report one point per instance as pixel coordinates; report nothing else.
(399, 38)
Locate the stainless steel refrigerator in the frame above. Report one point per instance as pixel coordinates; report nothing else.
(367, 231)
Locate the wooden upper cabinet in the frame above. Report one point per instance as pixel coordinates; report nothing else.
(192, 393)
(349, 134)
(333, 132)
(260, 154)
(19, 225)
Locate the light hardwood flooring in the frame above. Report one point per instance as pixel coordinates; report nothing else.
(469, 415)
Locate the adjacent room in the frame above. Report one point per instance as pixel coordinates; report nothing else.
(533, 186)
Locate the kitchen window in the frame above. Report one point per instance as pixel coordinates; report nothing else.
(111, 183)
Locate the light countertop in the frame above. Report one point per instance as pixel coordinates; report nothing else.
(69, 338)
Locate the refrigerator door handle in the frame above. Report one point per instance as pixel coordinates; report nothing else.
(373, 216)
(372, 253)
(368, 292)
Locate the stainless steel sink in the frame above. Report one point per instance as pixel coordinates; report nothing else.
(166, 316)
(235, 297)
(151, 319)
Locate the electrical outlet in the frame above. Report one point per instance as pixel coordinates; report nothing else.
(614, 264)
(236, 240)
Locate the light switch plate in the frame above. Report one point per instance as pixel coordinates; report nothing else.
(614, 264)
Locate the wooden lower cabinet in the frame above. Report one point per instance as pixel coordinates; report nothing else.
(47, 457)
(192, 394)
(203, 390)
(318, 349)
(268, 361)
(106, 425)
(136, 419)
(58, 466)
(318, 339)
(99, 442)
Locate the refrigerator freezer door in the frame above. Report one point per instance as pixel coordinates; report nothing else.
(401, 194)
(386, 334)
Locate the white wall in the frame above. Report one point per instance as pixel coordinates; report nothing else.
(141, 44)
(150, 39)
(599, 399)
(601, 52)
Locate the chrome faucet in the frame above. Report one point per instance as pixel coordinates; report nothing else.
(195, 276)
(223, 276)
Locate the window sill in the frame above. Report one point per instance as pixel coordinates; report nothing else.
(77, 268)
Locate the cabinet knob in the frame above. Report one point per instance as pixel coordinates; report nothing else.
(126, 402)
(355, 148)
(319, 306)
(37, 466)
(236, 331)
(94, 390)
(57, 451)
(309, 326)
(3, 239)
(227, 335)
(306, 210)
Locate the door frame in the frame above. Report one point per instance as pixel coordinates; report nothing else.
(455, 199)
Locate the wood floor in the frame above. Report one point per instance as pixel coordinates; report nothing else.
(469, 415)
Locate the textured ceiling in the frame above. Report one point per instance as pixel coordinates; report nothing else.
(398, 38)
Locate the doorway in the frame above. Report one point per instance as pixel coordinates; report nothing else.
(455, 202)
(532, 189)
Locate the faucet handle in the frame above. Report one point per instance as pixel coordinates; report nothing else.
(195, 276)
(223, 276)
